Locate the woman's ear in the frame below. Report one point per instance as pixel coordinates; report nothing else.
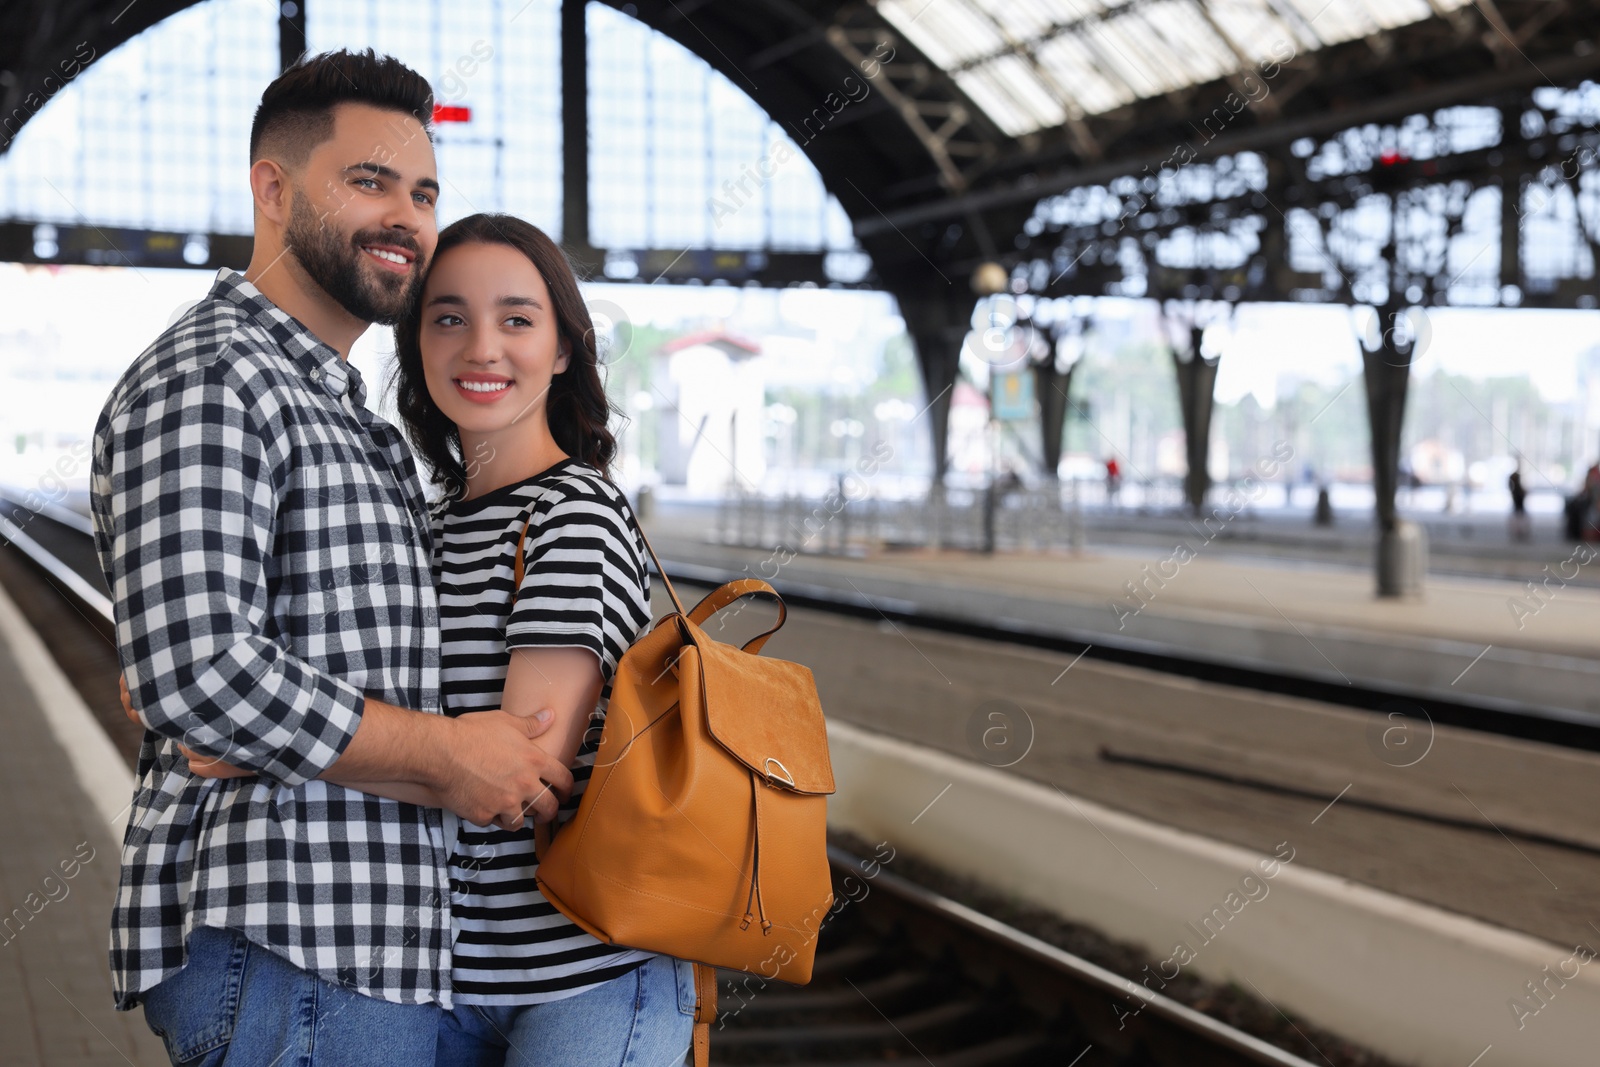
(563, 355)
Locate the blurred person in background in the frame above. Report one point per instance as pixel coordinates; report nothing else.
(1521, 528)
(1582, 523)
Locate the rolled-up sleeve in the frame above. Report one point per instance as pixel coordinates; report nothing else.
(187, 482)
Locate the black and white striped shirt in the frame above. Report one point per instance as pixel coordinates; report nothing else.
(266, 542)
(584, 585)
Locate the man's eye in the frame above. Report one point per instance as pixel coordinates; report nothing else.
(424, 199)
(370, 182)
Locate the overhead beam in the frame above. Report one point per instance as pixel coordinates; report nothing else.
(575, 135)
(291, 33)
(1281, 132)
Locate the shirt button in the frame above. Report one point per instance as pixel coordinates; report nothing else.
(316, 374)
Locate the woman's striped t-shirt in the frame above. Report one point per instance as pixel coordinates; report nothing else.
(585, 585)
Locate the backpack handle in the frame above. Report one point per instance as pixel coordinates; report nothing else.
(726, 594)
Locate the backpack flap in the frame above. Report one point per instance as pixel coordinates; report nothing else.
(766, 714)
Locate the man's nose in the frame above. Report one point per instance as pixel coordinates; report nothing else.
(403, 214)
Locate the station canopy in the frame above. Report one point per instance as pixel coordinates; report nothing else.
(1034, 64)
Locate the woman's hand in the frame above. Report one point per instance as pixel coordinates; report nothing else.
(127, 700)
(202, 766)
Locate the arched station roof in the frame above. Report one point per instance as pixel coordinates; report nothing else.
(975, 108)
(949, 130)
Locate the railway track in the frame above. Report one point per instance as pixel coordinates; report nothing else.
(903, 974)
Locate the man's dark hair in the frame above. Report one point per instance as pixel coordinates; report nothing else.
(296, 112)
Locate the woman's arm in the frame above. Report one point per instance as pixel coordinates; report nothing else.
(405, 792)
(567, 681)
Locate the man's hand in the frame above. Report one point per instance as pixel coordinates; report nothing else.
(487, 770)
(490, 772)
(497, 777)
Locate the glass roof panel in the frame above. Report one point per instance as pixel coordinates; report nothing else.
(949, 32)
(1070, 62)
(1262, 30)
(1030, 64)
(1009, 87)
(1023, 20)
(1126, 45)
(1340, 20)
(1176, 43)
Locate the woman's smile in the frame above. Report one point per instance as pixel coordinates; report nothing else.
(482, 388)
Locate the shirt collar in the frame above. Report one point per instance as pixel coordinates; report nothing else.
(322, 366)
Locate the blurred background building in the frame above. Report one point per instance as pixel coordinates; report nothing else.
(835, 213)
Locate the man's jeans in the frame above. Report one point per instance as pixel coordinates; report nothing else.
(645, 1018)
(235, 1004)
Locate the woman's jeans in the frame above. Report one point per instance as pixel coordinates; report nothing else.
(235, 1004)
(644, 1018)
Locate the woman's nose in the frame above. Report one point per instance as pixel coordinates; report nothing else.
(481, 349)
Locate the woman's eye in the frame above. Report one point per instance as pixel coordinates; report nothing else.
(448, 320)
(518, 320)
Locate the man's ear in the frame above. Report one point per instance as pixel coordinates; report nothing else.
(270, 188)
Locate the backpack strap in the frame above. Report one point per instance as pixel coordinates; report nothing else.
(517, 566)
(517, 569)
(660, 570)
(705, 1012)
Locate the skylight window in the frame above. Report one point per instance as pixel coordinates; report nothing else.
(1033, 64)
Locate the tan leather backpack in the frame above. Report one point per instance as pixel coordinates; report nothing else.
(702, 833)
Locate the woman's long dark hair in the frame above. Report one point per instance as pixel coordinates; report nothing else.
(576, 406)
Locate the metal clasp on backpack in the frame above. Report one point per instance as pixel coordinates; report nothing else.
(785, 777)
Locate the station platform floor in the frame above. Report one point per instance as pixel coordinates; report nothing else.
(64, 791)
(1486, 639)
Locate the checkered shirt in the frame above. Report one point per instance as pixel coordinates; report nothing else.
(268, 549)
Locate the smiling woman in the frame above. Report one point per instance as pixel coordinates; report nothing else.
(541, 581)
(497, 359)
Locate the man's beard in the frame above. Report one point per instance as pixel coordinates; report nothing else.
(334, 261)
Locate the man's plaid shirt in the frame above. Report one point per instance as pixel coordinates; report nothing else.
(267, 546)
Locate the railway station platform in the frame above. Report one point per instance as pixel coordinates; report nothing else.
(1438, 890)
(66, 791)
